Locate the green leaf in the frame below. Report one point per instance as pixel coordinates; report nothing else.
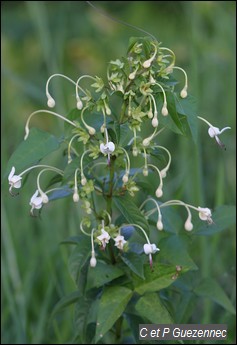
(74, 114)
(188, 107)
(130, 211)
(223, 217)
(102, 274)
(79, 256)
(112, 304)
(151, 307)
(172, 111)
(135, 263)
(38, 145)
(174, 250)
(65, 302)
(211, 289)
(160, 277)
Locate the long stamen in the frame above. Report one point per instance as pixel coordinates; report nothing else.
(48, 112)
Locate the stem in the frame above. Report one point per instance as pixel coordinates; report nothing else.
(110, 193)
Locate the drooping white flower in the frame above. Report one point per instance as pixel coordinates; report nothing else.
(104, 238)
(214, 132)
(93, 260)
(14, 180)
(119, 242)
(36, 202)
(107, 148)
(150, 248)
(205, 214)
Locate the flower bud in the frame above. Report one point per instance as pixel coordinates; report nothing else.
(145, 171)
(154, 122)
(184, 93)
(159, 192)
(75, 196)
(91, 130)
(83, 180)
(132, 75)
(125, 178)
(159, 225)
(188, 226)
(150, 114)
(147, 63)
(51, 102)
(146, 142)
(163, 173)
(164, 111)
(93, 261)
(102, 128)
(79, 104)
(135, 151)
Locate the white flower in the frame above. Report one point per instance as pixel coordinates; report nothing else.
(150, 248)
(214, 132)
(107, 148)
(93, 260)
(119, 242)
(36, 202)
(14, 180)
(205, 214)
(104, 238)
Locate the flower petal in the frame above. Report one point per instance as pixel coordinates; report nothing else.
(12, 172)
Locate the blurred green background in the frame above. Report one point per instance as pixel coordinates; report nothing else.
(40, 38)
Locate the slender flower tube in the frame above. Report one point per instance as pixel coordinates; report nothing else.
(214, 132)
(164, 110)
(147, 63)
(125, 177)
(159, 191)
(184, 92)
(145, 169)
(43, 195)
(147, 141)
(51, 101)
(164, 171)
(79, 101)
(48, 112)
(69, 157)
(83, 178)
(93, 258)
(159, 224)
(90, 129)
(132, 75)
(76, 194)
(154, 121)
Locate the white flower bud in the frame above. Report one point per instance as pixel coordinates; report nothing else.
(51, 102)
(154, 122)
(102, 128)
(163, 173)
(150, 114)
(135, 151)
(145, 171)
(159, 192)
(125, 178)
(188, 225)
(132, 75)
(184, 93)
(164, 111)
(91, 130)
(159, 225)
(146, 142)
(75, 196)
(147, 63)
(79, 104)
(83, 180)
(93, 261)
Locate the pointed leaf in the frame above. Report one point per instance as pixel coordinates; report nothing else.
(38, 145)
(101, 274)
(160, 277)
(135, 263)
(211, 289)
(151, 307)
(112, 304)
(130, 211)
